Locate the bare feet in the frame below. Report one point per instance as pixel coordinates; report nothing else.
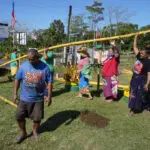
(146, 111)
(79, 95)
(109, 100)
(90, 98)
(45, 99)
(20, 138)
(131, 114)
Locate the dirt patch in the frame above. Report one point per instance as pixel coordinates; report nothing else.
(93, 119)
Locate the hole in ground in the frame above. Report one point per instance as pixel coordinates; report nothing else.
(94, 119)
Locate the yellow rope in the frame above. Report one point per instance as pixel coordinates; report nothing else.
(75, 43)
(124, 87)
(8, 101)
(126, 71)
(82, 42)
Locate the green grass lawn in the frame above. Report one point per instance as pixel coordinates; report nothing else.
(59, 132)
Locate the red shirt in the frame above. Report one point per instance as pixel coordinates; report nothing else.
(110, 67)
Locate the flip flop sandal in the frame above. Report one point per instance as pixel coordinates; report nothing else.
(36, 137)
(19, 139)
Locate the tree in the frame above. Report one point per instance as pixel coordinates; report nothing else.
(55, 34)
(126, 28)
(144, 40)
(117, 15)
(38, 42)
(96, 14)
(122, 28)
(78, 27)
(110, 17)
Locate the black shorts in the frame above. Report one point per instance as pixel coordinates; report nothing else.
(32, 110)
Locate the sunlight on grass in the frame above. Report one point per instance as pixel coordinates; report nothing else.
(59, 132)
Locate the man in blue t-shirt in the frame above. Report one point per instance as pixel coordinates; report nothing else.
(33, 75)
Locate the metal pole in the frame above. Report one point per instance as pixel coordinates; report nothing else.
(68, 32)
(13, 38)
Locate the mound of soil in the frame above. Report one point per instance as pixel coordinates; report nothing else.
(93, 119)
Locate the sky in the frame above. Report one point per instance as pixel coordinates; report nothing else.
(38, 14)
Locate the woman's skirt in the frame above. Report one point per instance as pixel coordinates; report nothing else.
(110, 87)
(137, 92)
(84, 84)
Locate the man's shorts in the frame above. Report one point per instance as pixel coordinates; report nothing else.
(32, 110)
(13, 70)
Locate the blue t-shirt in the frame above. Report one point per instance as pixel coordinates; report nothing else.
(33, 81)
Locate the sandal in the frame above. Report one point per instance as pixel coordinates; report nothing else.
(19, 139)
(36, 137)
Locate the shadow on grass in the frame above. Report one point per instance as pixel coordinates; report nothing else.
(64, 117)
(120, 95)
(60, 91)
(99, 93)
(6, 81)
(4, 71)
(96, 93)
(66, 89)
